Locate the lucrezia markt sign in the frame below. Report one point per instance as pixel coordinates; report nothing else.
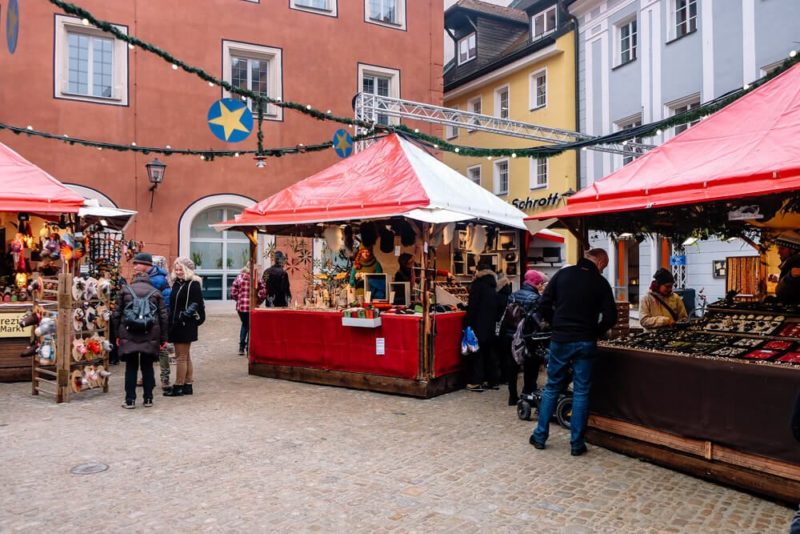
(9, 325)
(537, 203)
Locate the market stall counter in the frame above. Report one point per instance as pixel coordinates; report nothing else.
(384, 358)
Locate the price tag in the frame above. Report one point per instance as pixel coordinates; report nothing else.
(380, 346)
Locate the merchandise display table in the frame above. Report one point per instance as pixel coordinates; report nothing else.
(715, 418)
(314, 346)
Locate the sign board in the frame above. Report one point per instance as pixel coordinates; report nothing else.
(9, 325)
(677, 261)
(380, 346)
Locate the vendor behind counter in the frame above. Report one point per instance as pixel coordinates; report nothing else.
(661, 307)
(788, 289)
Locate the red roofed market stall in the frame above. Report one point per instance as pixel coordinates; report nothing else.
(715, 399)
(414, 204)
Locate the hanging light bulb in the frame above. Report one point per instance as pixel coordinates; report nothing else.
(261, 162)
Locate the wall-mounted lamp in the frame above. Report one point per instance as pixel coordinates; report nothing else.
(689, 241)
(155, 173)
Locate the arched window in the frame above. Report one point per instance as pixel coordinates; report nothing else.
(219, 256)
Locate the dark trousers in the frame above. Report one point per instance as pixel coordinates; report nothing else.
(482, 365)
(133, 362)
(244, 331)
(530, 369)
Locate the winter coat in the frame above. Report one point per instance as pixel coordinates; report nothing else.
(158, 277)
(187, 296)
(578, 303)
(526, 296)
(278, 291)
(482, 306)
(653, 314)
(132, 342)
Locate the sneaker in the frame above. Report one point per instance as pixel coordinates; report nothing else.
(487, 385)
(129, 404)
(578, 451)
(241, 351)
(474, 387)
(148, 403)
(536, 444)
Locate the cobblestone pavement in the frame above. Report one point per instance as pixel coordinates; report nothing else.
(251, 454)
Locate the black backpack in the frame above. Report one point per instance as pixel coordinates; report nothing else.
(139, 315)
(513, 314)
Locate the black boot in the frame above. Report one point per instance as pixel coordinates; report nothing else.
(187, 389)
(174, 391)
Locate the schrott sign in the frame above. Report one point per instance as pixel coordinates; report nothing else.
(536, 203)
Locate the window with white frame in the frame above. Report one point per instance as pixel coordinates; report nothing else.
(501, 103)
(467, 48)
(322, 7)
(543, 23)
(256, 68)
(474, 174)
(474, 106)
(501, 177)
(451, 131)
(627, 124)
(682, 107)
(539, 173)
(387, 12)
(89, 64)
(218, 256)
(380, 81)
(684, 14)
(627, 41)
(538, 89)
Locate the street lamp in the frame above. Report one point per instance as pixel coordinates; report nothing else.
(155, 173)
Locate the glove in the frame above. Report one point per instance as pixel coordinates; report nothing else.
(190, 313)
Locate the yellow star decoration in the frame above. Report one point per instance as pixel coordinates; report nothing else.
(341, 143)
(229, 120)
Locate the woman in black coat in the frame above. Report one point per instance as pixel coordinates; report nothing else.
(186, 313)
(482, 316)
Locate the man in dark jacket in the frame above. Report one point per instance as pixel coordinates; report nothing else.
(276, 279)
(579, 304)
(482, 316)
(140, 349)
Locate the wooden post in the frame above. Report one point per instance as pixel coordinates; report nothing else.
(252, 236)
(425, 356)
(63, 336)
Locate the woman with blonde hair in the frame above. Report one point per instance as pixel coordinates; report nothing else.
(186, 313)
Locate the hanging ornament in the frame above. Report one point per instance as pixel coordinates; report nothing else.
(342, 143)
(12, 25)
(230, 120)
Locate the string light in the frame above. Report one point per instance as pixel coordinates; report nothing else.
(174, 67)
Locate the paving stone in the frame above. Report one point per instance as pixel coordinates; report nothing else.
(248, 454)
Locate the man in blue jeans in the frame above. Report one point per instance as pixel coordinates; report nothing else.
(579, 304)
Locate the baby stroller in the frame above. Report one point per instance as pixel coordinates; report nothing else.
(528, 403)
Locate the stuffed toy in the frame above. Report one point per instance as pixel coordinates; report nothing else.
(35, 289)
(79, 249)
(78, 350)
(30, 350)
(90, 293)
(103, 316)
(89, 318)
(78, 288)
(47, 327)
(17, 248)
(50, 246)
(66, 247)
(107, 346)
(104, 290)
(94, 347)
(47, 350)
(29, 319)
(78, 317)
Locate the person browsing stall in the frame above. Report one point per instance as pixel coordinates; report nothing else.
(660, 307)
(405, 271)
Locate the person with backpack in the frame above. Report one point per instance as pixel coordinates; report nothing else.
(186, 313)
(140, 320)
(521, 303)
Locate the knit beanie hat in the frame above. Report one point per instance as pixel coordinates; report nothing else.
(535, 278)
(663, 276)
(144, 258)
(789, 239)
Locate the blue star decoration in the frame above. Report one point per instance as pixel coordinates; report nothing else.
(342, 143)
(230, 120)
(12, 25)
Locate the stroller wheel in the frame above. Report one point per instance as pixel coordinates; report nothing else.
(523, 410)
(564, 411)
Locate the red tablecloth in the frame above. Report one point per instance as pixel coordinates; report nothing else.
(317, 339)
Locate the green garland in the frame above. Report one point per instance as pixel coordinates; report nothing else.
(546, 151)
(207, 155)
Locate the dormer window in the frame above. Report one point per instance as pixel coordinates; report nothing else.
(543, 23)
(467, 49)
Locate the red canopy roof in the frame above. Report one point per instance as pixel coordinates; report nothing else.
(749, 148)
(26, 187)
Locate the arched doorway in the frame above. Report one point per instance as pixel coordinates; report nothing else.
(219, 256)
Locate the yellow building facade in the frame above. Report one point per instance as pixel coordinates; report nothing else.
(538, 89)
